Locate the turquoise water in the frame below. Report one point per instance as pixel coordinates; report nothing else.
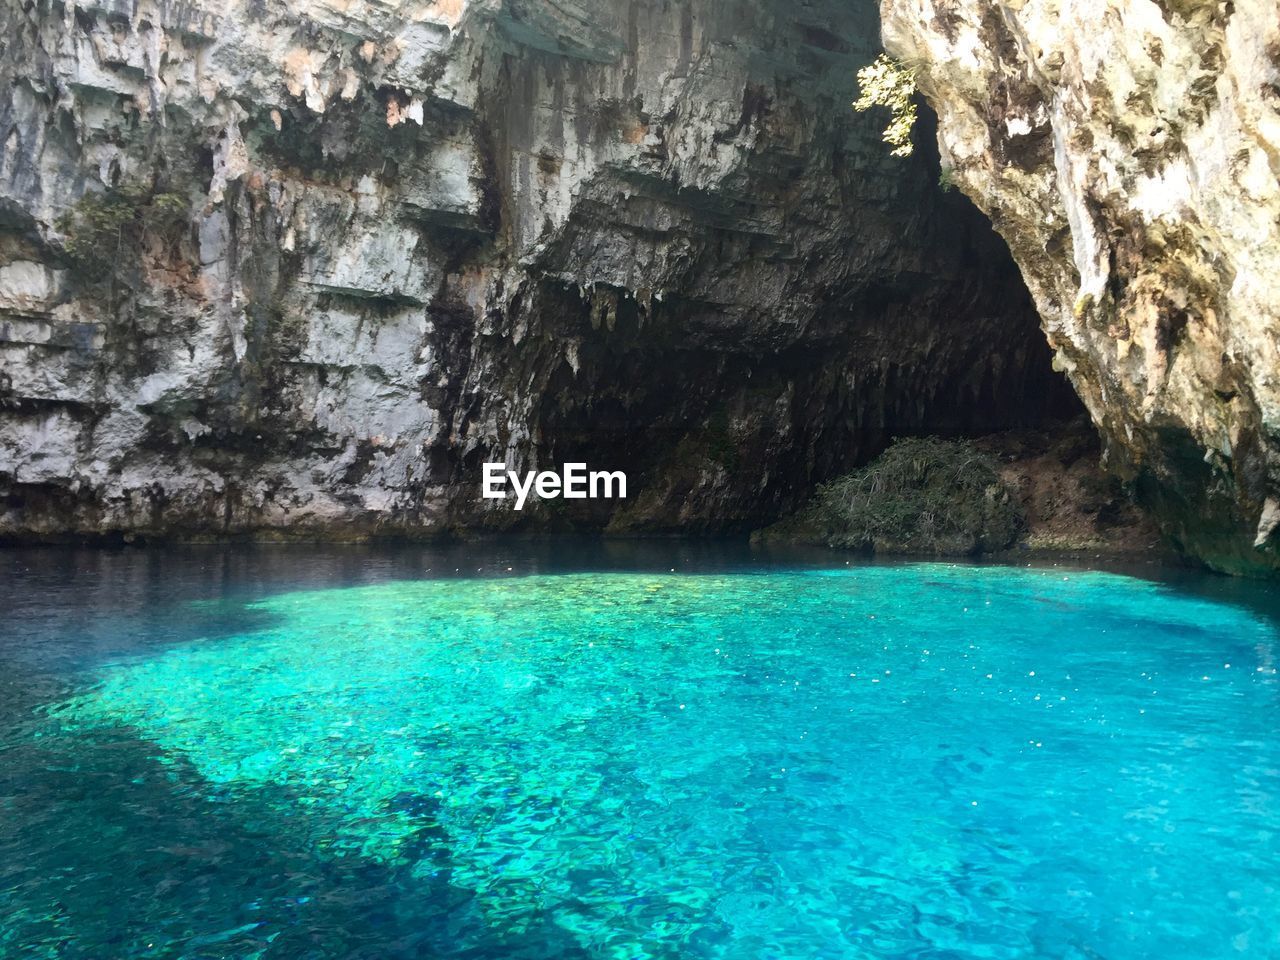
(919, 760)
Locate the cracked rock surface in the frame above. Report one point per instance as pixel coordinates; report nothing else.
(299, 269)
(1129, 152)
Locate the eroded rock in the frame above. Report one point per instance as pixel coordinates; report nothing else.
(424, 235)
(1129, 152)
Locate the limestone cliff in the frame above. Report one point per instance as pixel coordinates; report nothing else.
(1129, 152)
(304, 266)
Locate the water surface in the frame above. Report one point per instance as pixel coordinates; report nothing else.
(665, 753)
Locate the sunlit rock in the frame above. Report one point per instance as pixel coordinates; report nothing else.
(1129, 152)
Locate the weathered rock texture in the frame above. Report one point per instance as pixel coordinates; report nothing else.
(1129, 152)
(415, 236)
(1070, 504)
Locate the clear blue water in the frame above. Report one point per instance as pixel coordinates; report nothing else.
(300, 754)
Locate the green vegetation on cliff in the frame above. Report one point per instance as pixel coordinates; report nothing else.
(886, 83)
(922, 495)
(104, 233)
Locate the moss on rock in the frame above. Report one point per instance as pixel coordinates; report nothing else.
(103, 233)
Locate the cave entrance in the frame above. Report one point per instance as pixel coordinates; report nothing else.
(780, 362)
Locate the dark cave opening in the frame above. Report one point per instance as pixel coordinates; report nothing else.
(725, 424)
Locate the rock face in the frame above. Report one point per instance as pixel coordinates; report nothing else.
(304, 267)
(1129, 152)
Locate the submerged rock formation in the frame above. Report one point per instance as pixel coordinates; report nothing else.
(1129, 152)
(304, 266)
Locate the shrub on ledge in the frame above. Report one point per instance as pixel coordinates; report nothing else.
(104, 233)
(922, 495)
